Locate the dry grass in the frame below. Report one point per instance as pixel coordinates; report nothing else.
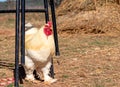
(104, 19)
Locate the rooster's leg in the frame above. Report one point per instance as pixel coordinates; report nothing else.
(29, 68)
(46, 70)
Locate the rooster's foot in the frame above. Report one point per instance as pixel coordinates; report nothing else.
(50, 81)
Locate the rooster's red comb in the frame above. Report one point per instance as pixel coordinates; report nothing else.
(49, 24)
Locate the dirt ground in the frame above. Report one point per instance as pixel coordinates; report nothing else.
(89, 43)
(85, 61)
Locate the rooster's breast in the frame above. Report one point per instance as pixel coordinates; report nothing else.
(39, 55)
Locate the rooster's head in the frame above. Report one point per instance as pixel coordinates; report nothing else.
(48, 29)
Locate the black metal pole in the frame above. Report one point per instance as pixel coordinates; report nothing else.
(52, 69)
(17, 44)
(46, 11)
(46, 20)
(55, 36)
(22, 32)
(54, 27)
(27, 10)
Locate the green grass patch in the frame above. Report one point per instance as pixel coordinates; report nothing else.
(101, 43)
(12, 85)
(65, 76)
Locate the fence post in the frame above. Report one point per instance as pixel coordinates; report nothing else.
(54, 27)
(16, 74)
(46, 11)
(55, 35)
(22, 32)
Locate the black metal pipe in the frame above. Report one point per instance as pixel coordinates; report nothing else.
(46, 11)
(54, 27)
(46, 20)
(52, 69)
(27, 10)
(17, 44)
(22, 32)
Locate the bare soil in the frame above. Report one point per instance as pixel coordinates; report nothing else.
(85, 61)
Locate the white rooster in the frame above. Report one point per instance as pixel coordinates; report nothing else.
(39, 48)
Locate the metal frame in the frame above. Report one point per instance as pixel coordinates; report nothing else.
(20, 8)
(22, 32)
(16, 73)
